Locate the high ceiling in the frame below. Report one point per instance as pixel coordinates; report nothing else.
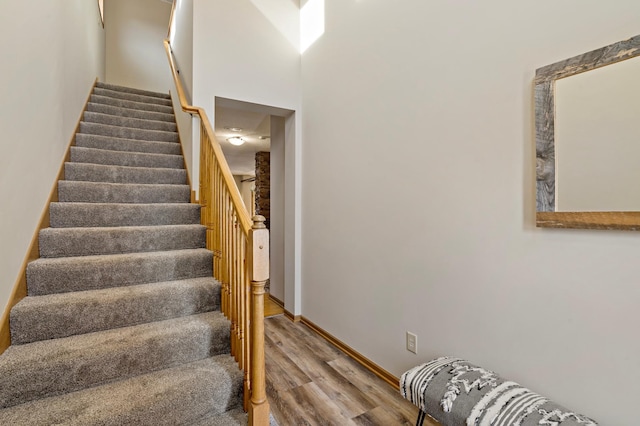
(241, 159)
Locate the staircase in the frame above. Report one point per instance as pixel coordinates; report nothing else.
(122, 325)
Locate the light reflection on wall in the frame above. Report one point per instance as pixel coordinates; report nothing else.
(311, 23)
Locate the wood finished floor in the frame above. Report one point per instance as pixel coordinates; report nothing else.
(310, 382)
(271, 308)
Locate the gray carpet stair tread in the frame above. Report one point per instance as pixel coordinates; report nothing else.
(89, 172)
(65, 274)
(125, 89)
(137, 123)
(122, 322)
(128, 145)
(128, 132)
(85, 241)
(71, 215)
(54, 316)
(128, 112)
(98, 192)
(132, 97)
(170, 397)
(122, 103)
(120, 158)
(54, 367)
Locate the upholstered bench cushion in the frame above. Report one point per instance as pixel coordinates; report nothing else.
(456, 393)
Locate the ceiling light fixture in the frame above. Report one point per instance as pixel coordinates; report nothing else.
(264, 137)
(236, 140)
(234, 129)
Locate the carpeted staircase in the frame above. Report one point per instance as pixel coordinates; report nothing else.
(121, 325)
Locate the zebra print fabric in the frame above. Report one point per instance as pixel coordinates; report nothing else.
(458, 393)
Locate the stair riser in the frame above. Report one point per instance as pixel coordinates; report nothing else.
(131, 97)
(136, 123)
(121, 103)
(92, 273)
(69, 314)
(177, 396)
(71, 215)
(124, 89)
(128, 112)
(88, 192)
(118, 174)
(83, 366)
(129, 159)
(128, 133)
(96, 241)
(126, 145)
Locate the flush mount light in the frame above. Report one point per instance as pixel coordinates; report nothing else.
(264, 137)
(234, 129)
(236, 140)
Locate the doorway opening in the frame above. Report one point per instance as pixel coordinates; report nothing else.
(258, 142)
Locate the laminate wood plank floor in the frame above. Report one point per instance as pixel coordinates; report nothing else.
(311, 382)
(271, 308)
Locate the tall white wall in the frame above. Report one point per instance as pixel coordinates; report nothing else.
(53, 51)
(181, 40)
(246, 50)
(135, 55)
(419, 198)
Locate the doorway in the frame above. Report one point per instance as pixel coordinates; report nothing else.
(267, 133)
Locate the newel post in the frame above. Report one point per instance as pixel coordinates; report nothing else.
(258, 274)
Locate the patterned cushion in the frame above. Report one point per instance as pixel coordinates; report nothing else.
(457, 393)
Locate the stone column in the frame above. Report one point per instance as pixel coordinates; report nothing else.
(263, 186)
(263, 191)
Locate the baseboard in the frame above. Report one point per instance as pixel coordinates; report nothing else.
(294, 318)
(276, 300)
(355, 355)
(20, 288)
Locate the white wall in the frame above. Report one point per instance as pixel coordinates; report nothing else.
(596, 139)
(181, 40)
(242, 51)
(47, 74)
(135, 55)
(419, 198)
(245, 189)
(277, 210)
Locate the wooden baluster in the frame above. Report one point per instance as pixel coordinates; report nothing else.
(219, 220)
(210, 211)
(241, 296)
(259, 270)
(246, 317)
(232, 268)
(227, 267)
(202, 175)
(236, 244)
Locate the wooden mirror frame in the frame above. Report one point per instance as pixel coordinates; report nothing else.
(545, 83)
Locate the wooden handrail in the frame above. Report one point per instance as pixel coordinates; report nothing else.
(245, 219)
(240, 246)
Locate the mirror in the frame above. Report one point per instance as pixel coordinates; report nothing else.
(587, 144)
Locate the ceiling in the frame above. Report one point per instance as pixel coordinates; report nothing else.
(241, 158)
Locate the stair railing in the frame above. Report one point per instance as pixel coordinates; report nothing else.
(240, 246)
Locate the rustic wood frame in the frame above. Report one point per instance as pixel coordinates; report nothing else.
(545, 83)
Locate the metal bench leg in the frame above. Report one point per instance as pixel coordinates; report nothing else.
(421, 416)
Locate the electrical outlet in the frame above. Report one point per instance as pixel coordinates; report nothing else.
(412, 342)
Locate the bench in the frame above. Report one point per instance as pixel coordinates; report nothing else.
(457, 393)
